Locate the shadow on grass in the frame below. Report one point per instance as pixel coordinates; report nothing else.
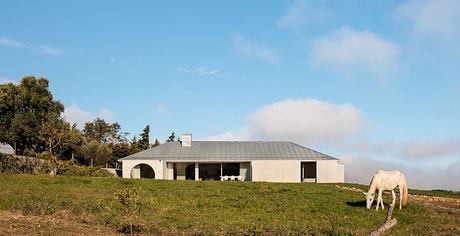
(357, 203)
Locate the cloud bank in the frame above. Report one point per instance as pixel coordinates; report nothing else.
(347, 49)
(439, 19)
(299, 120)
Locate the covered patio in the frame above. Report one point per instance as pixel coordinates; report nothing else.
(217, 171)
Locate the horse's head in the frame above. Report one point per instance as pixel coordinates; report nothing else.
(369, 199)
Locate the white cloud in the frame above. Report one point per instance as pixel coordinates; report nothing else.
(7, 42)
(439, 18)
(302, 121)
(347, 49)
(202, 71)
(242, 135)
(75, 115)
(305, 121)
(38, 48)
(250, 49)
(301, 11)
(361, 170)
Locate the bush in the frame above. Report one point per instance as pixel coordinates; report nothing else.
(71, 168)
(130, 200)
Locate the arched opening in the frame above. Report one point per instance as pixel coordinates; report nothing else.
(142, 171)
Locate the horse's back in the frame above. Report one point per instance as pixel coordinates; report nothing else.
(389, 179)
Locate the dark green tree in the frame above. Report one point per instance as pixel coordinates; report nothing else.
(144, 142)
(95, 153)
(171, 138)
(102, 132)
(60, 138)
(24, 108)
(134, 146)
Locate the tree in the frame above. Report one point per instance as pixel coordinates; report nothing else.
(157, 143)
(144, 142)
(134, 146)
(103, 132)
(24, 108)
(171, 138)
(95, 153)
(59, 137)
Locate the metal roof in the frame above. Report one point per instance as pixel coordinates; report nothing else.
(230, 150)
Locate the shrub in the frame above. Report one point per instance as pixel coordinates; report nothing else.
(130, 199)
(71, 168)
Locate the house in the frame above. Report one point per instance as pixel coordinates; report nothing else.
(233, 160)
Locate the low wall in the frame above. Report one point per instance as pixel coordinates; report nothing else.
(22, 164)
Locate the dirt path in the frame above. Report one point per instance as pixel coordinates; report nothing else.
(15, 223)
(451, 205)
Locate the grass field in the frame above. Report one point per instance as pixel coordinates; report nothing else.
(210, 208)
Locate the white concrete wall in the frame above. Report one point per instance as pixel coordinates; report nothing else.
(329, 171)
(157, 166)
(276, 170)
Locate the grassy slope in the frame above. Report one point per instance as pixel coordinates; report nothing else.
(189, 207)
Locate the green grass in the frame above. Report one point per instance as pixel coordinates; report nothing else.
(207, 207)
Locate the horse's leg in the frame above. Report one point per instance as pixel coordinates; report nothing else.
(381, 200)
(400, 196)
(394, 197)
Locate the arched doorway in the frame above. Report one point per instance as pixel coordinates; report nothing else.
(142, 171)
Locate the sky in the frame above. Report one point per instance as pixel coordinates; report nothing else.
(374, 83)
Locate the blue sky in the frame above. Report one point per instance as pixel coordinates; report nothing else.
(375, 83)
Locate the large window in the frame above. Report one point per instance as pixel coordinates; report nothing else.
(229, 169)
(209, 171)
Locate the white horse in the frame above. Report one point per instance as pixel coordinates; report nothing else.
(387, 180)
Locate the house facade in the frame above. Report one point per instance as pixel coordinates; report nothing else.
(233, 160)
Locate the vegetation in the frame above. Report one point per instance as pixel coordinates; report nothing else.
(211, 208)
(32, 123)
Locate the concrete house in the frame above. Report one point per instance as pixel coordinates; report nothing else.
(233, 160)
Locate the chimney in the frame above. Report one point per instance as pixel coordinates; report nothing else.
(186, 140)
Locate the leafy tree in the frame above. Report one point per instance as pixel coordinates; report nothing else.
(24, 108)
(103, 132)
(60, 138)
(134, 146)
(119, 150)
(144, 142)
(171, 138)
(95, 153)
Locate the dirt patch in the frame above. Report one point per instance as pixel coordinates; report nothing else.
(15, 223)
(442, 203)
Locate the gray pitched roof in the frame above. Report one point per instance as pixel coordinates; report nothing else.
(230, 150)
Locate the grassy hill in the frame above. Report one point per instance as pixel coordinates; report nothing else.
(196, 208)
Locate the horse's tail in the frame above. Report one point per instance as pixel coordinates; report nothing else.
(404, 192)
